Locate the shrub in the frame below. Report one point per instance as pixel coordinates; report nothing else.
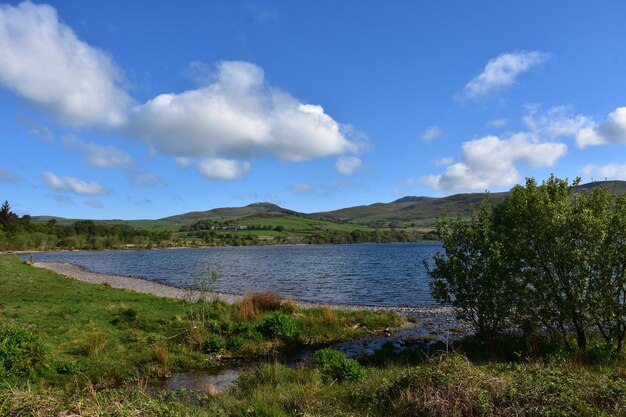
(337, 366)
(213, 343)
(280, 325)
(21, 352)
(235, 343)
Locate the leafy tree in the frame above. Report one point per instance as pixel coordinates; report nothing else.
(473, 275)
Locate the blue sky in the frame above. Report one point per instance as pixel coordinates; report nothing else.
(147, 109)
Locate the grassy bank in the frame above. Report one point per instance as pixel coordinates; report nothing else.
(57, 331)
(72, 348)
(445, 385)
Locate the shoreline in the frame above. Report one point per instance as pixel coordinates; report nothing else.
(35, 251)
(146, 286)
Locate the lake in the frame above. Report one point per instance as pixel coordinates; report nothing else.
(389, 274)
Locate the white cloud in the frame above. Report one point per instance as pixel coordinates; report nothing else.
(42, 60)
(237, 116)
(609, 171)
(555, 122)
(7, 176)
(611, 131)
(432, 133)
(446, 160)
(491, 162)
(223, 169)
(75, 185)
(348, 165)
(97, 155)
(498, 123)
(502, 71)
(93, 203)
(302, 188)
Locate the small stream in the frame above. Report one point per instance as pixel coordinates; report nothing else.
(431, 328)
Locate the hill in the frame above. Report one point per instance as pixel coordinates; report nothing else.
(424, 210)
(230, 213)
(420, 211)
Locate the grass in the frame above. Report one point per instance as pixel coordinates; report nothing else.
(109, 336)
(440, 385)
(72, 348)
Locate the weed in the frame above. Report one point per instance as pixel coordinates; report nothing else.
(289, 306)
(21, 351)
(92, 342)
(213, 343)
(161, 354)
(278, 324)
(337, 366)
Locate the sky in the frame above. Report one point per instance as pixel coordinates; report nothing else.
(148, 109)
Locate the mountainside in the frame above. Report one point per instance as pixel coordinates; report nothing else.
(410, 209)
(230, 213)
(420, 210)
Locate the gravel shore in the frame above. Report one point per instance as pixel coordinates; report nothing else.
(438, 314)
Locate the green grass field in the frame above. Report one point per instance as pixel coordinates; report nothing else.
(72, 348)
(110, 335)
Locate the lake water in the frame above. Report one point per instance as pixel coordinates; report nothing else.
(366, 274)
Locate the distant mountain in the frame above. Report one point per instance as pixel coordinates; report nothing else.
(421, 210)
(425, 210)
(231, 213)
(409, 209)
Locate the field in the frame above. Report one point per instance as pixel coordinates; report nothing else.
(91, 349)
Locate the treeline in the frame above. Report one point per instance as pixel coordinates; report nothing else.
(212, 238)
(368, 236)
(545, 261)
(20, 233)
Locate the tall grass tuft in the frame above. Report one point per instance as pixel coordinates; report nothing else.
(253, 304)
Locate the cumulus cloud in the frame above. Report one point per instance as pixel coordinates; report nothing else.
(555, 122)
(348, 165)
(75, 185)
(7, 176)
(223, 169)
(491, 162)
(42, 60)
(502, 71)
(93, 203)
(613, 130)
(432, 133)
(302, 188)
(609, 171)
(237, 116)
(97, 155)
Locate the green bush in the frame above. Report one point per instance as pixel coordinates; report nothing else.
(280, 325)
(213, 343)
(336, 365)
(21, 352)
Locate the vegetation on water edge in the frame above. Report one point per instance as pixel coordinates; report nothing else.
(546, 260)
(444, 384)
(55, 330)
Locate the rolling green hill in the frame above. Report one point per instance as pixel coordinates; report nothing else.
(416, 211)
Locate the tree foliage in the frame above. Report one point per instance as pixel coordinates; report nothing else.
(548, 258)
